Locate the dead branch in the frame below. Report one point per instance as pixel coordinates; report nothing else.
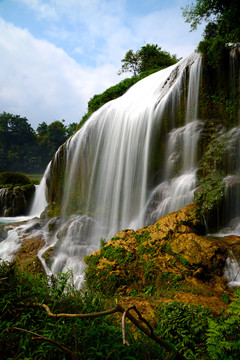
(43, 338)
(147, 331)
(124, 326)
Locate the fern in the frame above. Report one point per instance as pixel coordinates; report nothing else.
(223, 340)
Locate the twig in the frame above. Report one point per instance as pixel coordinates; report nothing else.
(43, 338)
(117, 308)
(147, 331)
(124, 326)
(143, 320)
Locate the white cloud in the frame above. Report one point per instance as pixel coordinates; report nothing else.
(43, 82)
(40, 81)
(167, 29)
(42, 9)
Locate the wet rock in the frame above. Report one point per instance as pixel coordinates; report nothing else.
(27, 259)
(3, 233)
(15, 201)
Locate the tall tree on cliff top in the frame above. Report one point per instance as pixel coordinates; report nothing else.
(222, 17)
(149, 57)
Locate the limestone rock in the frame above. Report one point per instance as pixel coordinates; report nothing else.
(163, 259)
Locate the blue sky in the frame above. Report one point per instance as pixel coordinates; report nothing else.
(57, 54)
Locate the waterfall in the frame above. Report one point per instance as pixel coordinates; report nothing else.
(232, 270)
(40, 201)
(107, 173)
(177, 189)
(116, 172)
(3, 200)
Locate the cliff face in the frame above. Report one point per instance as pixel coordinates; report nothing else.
(16, 200)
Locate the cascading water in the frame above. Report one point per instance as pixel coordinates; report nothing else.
(115, 173)
(179, 183)
(107, 163)
(3, 200)
(40, 201)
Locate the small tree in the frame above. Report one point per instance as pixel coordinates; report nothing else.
(149, 57)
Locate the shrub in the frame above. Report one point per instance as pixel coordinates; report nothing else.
(14, 178)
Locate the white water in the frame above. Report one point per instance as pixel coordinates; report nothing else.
(108, 160)
(10, 245)
(232, 270)
(107, 165)
(40, 201)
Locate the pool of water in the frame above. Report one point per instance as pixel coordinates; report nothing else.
(14, 219)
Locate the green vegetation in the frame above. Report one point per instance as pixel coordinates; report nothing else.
(23, 149)
(219, 98)
(11, 178)
(149, 57)
(144, 62)
(222, 17)
(209, 198)
(93, 338)
(192, 330)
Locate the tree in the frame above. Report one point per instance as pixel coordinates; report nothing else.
(42, 129)
(149, 57)
(71, 129)
(152, 57)
(222, 14)
(130, 63)
(18, 145)
(23, 149)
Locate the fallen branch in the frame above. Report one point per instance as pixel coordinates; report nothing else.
(118, 308)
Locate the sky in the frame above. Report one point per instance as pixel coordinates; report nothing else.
(57, 54)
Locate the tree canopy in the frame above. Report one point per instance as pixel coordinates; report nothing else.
(222, 17)
(23, 149)
(149, 57)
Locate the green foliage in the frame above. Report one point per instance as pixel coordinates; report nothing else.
(210, 197)
(23, 149)
(51, 137)
(18, 148)
(223, 342)
(212, 187)
(149, 57)
(222, 15)
(106, 280)
(102, 243)
(98, 338)
(146, 61)
(12, 178)
(185, 326)
(193, 330)
(215, 51)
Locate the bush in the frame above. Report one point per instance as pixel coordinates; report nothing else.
(14, 178)
(185, 326)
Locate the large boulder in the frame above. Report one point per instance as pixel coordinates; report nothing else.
(163, 259)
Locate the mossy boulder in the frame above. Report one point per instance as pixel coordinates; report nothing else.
(27, 259)
(162, 260)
